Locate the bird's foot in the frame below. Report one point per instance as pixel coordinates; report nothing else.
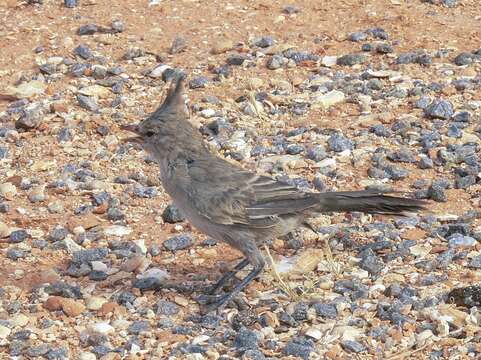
(213, 303)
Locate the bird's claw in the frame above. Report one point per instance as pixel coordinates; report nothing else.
(213, 303)
(207, 299)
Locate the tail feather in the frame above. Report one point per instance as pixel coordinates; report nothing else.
(368, 201)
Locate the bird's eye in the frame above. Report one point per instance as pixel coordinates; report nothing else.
(149, 133)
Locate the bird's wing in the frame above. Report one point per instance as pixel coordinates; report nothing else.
(227, 194)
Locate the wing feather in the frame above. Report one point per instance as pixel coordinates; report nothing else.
(258, 201)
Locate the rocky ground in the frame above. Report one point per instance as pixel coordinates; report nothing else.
(328, 95)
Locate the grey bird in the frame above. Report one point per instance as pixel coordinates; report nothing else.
(231, 204)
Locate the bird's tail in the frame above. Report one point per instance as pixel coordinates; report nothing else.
(368, 201)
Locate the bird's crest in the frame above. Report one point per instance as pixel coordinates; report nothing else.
(174, 102)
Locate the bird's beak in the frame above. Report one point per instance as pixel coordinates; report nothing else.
(133, 129)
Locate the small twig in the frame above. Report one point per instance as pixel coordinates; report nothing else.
(334, 266)
(401, 354)
(287, 289)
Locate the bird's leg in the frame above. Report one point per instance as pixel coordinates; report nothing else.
(254, 257)
(227, 276)
(224, 300)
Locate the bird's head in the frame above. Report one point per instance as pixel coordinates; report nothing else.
(149, 132)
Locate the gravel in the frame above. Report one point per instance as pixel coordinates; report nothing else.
(100, 262)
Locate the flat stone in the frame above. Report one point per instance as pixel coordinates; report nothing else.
(222, 46)
(329, 99)
(96, 91)
(102, 328)
(117, 230)
(95, 302)
(28, 89)
(4, 332)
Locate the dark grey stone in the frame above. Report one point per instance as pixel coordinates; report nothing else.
(463, 59)
(317, 153)
(79, 69)
(357, 36)
(83, 51)
(475, 262)
(253, 354)
(97, 275)
(48, 69)
(353, 346)
(155, 250)
(246, 339)
(275, 62)
(133, 53)
(425, 162)
(37, 351)
(78, 270)
(294, 149)
(402, 155)
(378, 33)
(18, 236)
(179, 44)
(3, 152)
(339, 143)
(172, 215)
(351, 59)
(291, 9)
(198, 82)
(299, 346)
(57, 354)
(88, 255)
(30, 117)
(464, 182)
(65, 134)
(118, 26)
(138, 327)
(439, 109)
(63, 289)
(168, 308)
(15, 254)
(264, 42)
(300, 311)
(87, 103)
(384, 48)
(370, 262)
(236, 59)
(88, 29)
(58, 234)
(145, 191)
(437, 193)
(70, 3)
(324, 310)
(150, 283)
(178, 242)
